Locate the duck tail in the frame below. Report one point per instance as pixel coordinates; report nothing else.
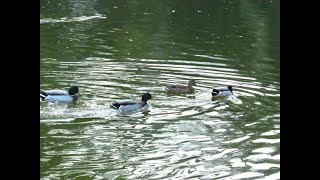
(115, 105)
(43, 95)
(215, 92)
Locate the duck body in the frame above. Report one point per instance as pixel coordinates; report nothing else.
(60, 95)
(128, 105)
(131, 105)
(222, 91)
(181, 88)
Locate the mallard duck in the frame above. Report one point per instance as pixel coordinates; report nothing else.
(181, 88)
(60, 95)
(222, 91)
(130, 105)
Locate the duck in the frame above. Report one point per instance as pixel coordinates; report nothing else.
(181, 88)
(60, 95)
(132, 105)
(222, 91)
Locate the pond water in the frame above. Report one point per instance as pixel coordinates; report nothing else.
(119, 49)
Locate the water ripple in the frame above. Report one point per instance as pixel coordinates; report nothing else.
(71, 19)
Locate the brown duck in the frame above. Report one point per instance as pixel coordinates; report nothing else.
(181, 88)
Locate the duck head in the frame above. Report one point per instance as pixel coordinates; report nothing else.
(191, 83)
(146, 97)
(73, 90)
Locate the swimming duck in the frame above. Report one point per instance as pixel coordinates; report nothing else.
(181, 88)
(222, 91)
(60, 95)
(131, 105)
